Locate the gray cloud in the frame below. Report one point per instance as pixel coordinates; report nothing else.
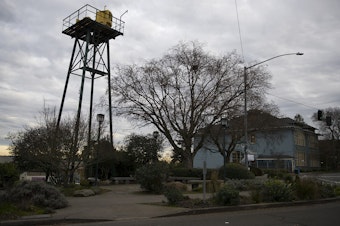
(34, 54)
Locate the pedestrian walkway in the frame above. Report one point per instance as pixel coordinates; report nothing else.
(121, 202)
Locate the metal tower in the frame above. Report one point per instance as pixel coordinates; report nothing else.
(92, 29)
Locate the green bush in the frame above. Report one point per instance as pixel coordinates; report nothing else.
(256, 196)
(173, 195)
(152, 176)
(279, 174)
(227, 196)
(256, 171)
(28, 193)
(8, 174)
(306, 189)
(236, 171)
(185, 172)
(213, 185)
(326, 190)
(276, 191)
(337, 191)
(309, 189)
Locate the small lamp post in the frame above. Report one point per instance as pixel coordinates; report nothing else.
(155, 135)
(224, 124)
(100, 120)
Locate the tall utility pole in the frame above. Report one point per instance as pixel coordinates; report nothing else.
(245, 100)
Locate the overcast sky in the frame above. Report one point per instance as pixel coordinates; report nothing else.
(34, 54)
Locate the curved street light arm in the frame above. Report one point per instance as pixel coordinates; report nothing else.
(287, 54)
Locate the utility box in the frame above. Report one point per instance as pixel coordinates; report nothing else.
(104, 17)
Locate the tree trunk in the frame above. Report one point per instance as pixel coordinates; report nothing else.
(188, 162)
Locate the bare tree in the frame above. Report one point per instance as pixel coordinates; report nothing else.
(184, 91)
(332, 130)
(41, 148)
(298, 118)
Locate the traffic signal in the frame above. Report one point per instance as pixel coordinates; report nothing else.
(320, 115)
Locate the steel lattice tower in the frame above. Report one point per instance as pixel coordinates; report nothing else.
(92, 29)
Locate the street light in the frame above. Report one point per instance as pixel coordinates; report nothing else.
(224, 124)
(100, 120)
(245, 100)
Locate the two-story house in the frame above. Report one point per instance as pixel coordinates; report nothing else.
(273, 143)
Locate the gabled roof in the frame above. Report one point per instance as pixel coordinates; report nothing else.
(260, 120)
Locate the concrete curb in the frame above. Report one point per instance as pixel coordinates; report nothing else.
(49, 221)
(250, 207)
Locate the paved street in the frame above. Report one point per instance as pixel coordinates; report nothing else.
(313, 215)
(333, 178)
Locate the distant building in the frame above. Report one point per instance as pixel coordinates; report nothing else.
(273, 143)
(33, 176)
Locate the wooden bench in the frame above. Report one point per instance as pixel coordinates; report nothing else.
(182, 179)
(121, 180)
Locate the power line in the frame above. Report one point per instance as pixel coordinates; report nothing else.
(293, 101)
(239, 30)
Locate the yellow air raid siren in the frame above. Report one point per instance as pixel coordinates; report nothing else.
(104, 17)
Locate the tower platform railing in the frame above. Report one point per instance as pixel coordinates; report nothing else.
(90, 12)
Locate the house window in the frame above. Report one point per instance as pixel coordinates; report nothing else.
(252, 139)
(299, 138)
(313, 142)
(236, 155)
(300, 159)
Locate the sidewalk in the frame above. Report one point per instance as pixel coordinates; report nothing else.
(121, 203)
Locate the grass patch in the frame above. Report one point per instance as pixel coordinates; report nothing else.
(68, 191)
(9, 211)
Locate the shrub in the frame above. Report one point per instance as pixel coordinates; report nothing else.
(276, 191)
(185, 172)
(227, 196)
(256, 171)
(152, 176)
(326, 190)
(256, 196)
(337, 191)
(236, 171)
(173, 195)
(279, 174)
(213, 185)
(246, 184)
(306, 189)
(25, 194)
(8, 174)
(178, 185)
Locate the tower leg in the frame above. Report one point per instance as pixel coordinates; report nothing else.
(74, 149)
(66, 83)
(89, 144)
(109, 91)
